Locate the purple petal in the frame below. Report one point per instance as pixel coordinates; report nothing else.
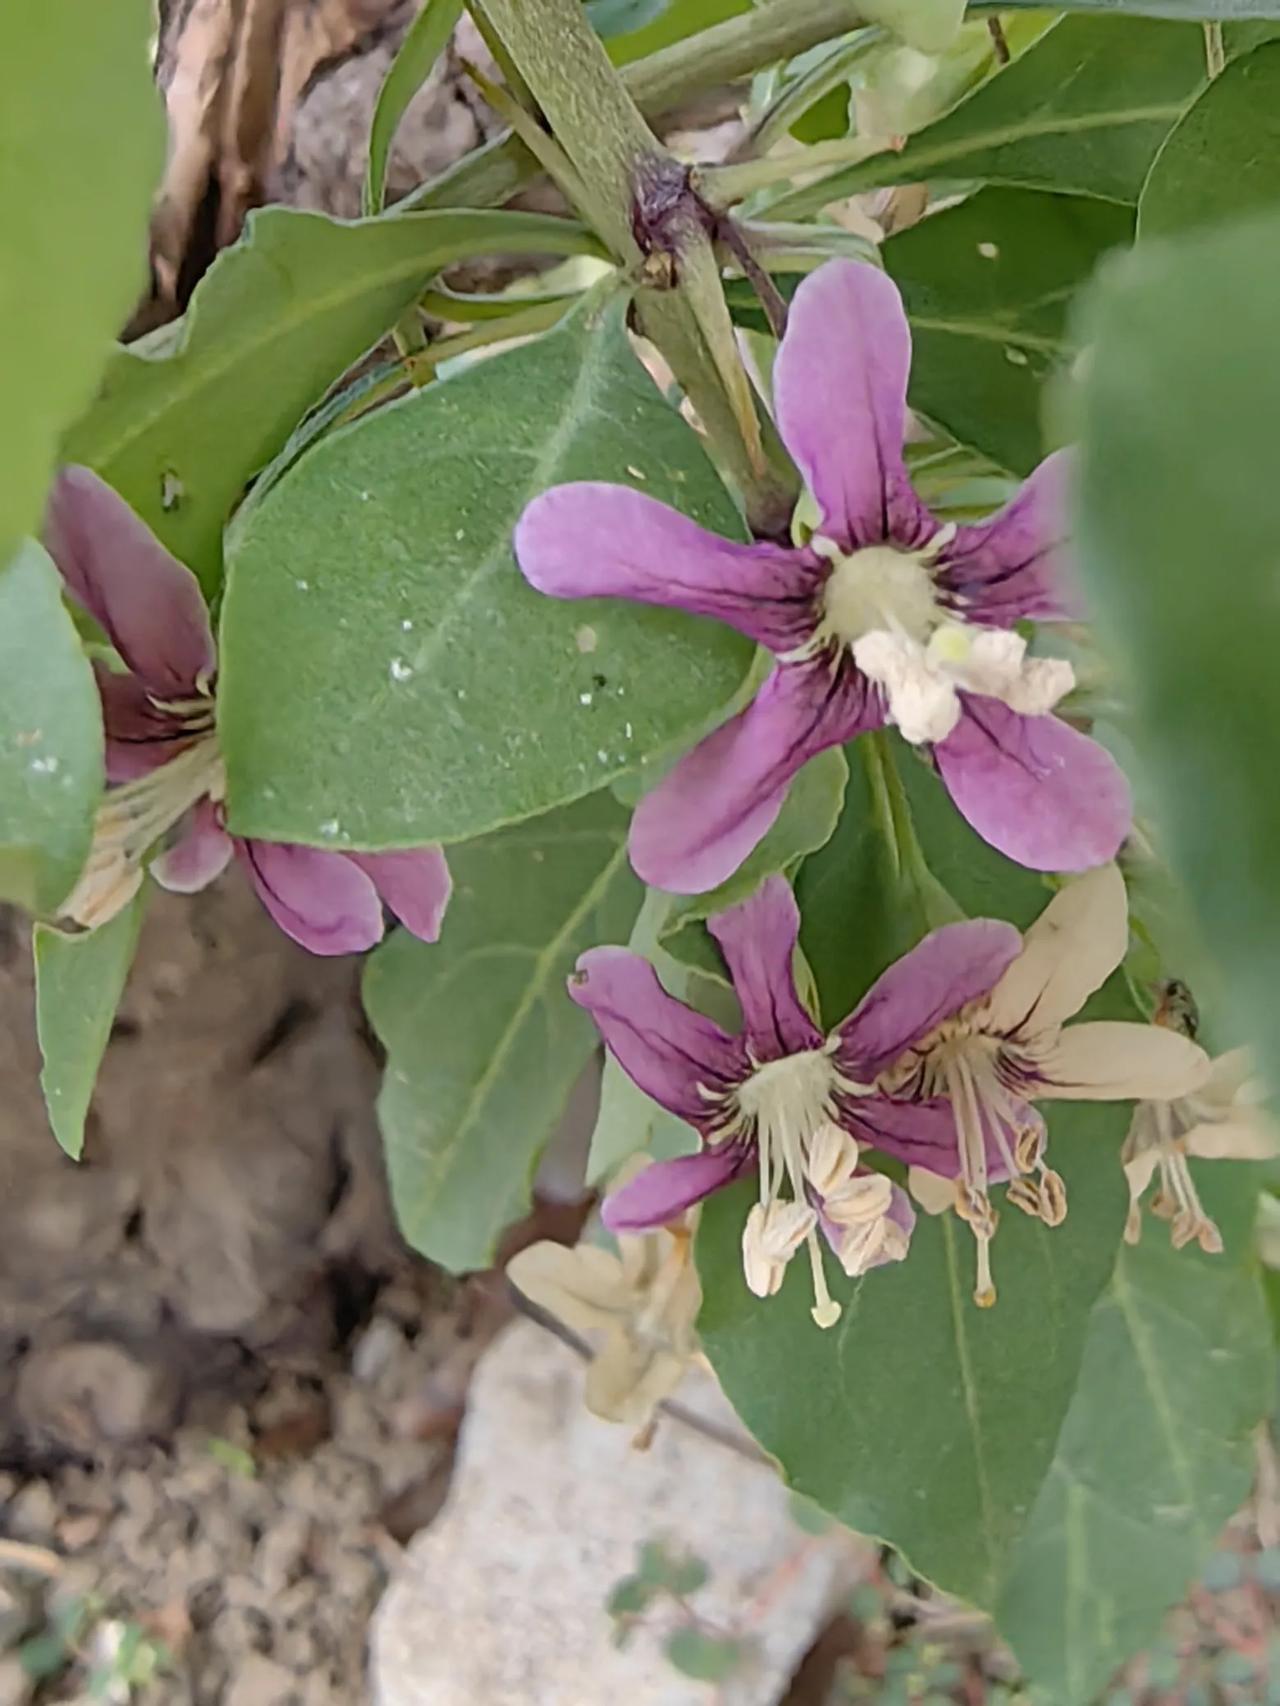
(1012, 566)
(147, 603)
(322, 900)
(592, 540)
(758, 939)
(1039, 791)
(415, 885)
(140, 738)
(840, 394)
(951, 967)
(666, 1189)
(199, 855)
(671, 1052)
(700, 822)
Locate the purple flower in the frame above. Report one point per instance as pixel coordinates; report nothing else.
(884, 615)
(980, 1020)
(779, 1099)
(162, 751)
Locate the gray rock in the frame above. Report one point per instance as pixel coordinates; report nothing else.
(502, 1602)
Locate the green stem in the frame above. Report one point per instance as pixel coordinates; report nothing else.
(637, 197)
(724, 185)
(806, 91)
(876, 763)
(763, 35)
(1215, 54)
(896, 823)
(734, 49)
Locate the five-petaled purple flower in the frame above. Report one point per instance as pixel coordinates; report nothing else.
(976, 1013)
(779, 1099)
(162, 751)
(883, 615)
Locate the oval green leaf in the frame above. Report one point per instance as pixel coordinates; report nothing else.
(483, 1044)
(431, 694)
(50, 737)
(79, 982)
(1223, 158)
(185, 420)
(73, 260)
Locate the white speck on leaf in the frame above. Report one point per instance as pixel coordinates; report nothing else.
(626, 729)
(400, 670)
(1018, 357)
(172, 490)
(303, 586)
(585, 698)
(636, 473)
(586, 639)
(44, 766)
(602, 755)
(407, 626)
(330, 827)
(364, 497)
(989, 251)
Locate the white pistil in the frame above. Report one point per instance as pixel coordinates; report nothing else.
(881, 604)
(130, 821)
(787, 1105)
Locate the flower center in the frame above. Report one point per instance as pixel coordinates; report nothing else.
(787, 1103)
(130, 820)
(881, 604)
(972, 1069)
(878, 588)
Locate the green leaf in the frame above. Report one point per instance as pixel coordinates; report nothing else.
(1177, 529)
(986, 286)
(1223, 158)
(705, 1658)
(183, 422)
(1084, 109)
(79, 982)
(1154, 1456)
(675, 23)
(630, 1597)
(432, 694)
(806, 822)
(926, 1421)
(483, 1044)
(81, 147)
(422, 46)
(50, 737)
(928, 26)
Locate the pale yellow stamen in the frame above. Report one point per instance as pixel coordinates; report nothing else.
(882, 605)
(130, 821)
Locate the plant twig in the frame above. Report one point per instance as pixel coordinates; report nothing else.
(1000, 46)
(726, 52)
